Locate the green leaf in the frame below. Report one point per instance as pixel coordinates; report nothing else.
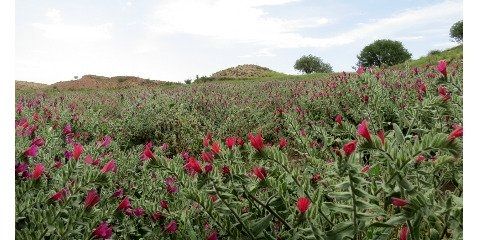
(261, 224)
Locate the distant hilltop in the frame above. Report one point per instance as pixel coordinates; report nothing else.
(93, 82)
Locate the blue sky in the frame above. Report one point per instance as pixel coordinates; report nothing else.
(173, 40)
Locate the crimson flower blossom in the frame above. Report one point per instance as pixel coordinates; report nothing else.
(420, 159)
(193, 166)
(67, 129)
(103, 231)
(92, 198)
(58, 196)
(361, 70)
(363, 130)
(225, 170)
(89, 160)
(404, 232)
(349, 147)
(109, 167)
(164, 204)
(339, 119)
(303, 204)
(124, 204)
(442, 67)
(171, 227)
(457, 132)
(444, 93)
(31, 151)
(230, 142)
(260, 173)
(38, 171)
(207, 156)
(77, 151)
(256, 141)
(156, 216)
(38, 141)
(283, 143)
(398, 202)
(215, 147)
(118, 193)
(213, 236)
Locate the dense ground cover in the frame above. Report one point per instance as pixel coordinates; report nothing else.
(375, 154)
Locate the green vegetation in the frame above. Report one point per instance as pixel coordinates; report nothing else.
(312, 64)
(456, 32)
(383, 52)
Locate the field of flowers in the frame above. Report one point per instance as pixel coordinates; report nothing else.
(375, 154)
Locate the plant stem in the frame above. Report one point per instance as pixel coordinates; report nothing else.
(355, 222)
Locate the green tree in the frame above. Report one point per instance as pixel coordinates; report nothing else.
(383, 52)
(456, 31)
(309, 64)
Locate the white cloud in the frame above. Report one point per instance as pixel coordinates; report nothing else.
(56, 29)
(408, 38)
(247, 22)
(54, 15)
(240, 21)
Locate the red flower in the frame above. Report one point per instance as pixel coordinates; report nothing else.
(303, 204)
(215, 147)
(349, 147)
(256, 141)
(381, 136)
(404, 232)
(138, 212)
(457, 132)
(207, 156)
(213, 236)
(230, 142)
(92, 198)
(103, 231)
(283, 143)
(444, 93)
(363, 130)
(193, 166)
(208, 168)
(118, 193)
(339, 119)
(77, 151)
(89, 160)
(67, 129)
(32, 151)
(206, 140)
(171, 227)
(225, 170)
(398, 202)
(38, 141)
(38, 171)
(156, 216)
(442, 67)
(164, 204)
(260, 173)
(105, 141)
(420, 159)
(58, 196)
(109, 167)
(147, 153)
(360, 70)
(124, 204)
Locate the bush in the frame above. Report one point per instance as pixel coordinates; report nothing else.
(309, 64)
(383, 51)
(434, 52)
(456, 31)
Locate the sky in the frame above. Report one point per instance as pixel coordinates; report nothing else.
(174, 40)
